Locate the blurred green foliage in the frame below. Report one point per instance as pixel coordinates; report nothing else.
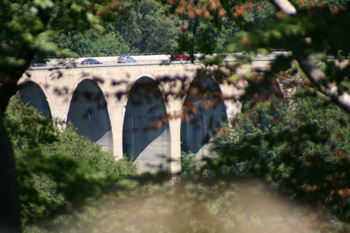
(58, 170)
(299, 144)
(188, 165)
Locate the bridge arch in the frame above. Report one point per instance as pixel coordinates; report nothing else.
(119, 79)
(89, 114)
(203, 112)
(146, 131)
(33, 95)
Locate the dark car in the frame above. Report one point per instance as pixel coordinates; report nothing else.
(38, 64)
(180, 57)
(126, 59)
(90, 61)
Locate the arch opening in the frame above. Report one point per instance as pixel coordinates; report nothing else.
(146, 132)
(31, 94)
(203, 113)
(88, 113)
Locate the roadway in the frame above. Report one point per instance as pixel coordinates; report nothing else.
(141, 61)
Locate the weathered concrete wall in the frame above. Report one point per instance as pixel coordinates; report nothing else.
(204, 111)
(107, 114)
(32, 94)
(146, 132)
(88, 113)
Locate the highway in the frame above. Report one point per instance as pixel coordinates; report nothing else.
(146, 60)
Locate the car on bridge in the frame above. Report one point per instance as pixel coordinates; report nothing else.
(90, 61)
(126, 59)
(38, 63)
(180, 57)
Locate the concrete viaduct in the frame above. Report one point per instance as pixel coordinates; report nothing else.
(126, 111)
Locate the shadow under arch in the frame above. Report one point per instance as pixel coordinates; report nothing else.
(203, 112)
(88, 113)
(146, 132)
(31, 94)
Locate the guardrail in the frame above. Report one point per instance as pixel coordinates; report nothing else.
(147, 54)
(142, 59)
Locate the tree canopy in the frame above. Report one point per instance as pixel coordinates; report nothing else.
(28, 29)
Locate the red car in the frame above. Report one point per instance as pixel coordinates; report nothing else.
(180, 56)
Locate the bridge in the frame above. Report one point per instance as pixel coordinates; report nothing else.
(128, 111)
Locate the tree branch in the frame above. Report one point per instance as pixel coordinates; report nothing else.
(315, 75)
(10, 220)
(285, 6)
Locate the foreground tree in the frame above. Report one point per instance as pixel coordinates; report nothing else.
(58, 170)
(27, 30)
(305, 156)
(312, 32)
(298, 145)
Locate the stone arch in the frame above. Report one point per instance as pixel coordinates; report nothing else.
(146, 132)
(33, 95)
(203, 112)
(89, 114)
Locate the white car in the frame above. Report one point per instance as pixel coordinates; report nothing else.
(126, 59)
